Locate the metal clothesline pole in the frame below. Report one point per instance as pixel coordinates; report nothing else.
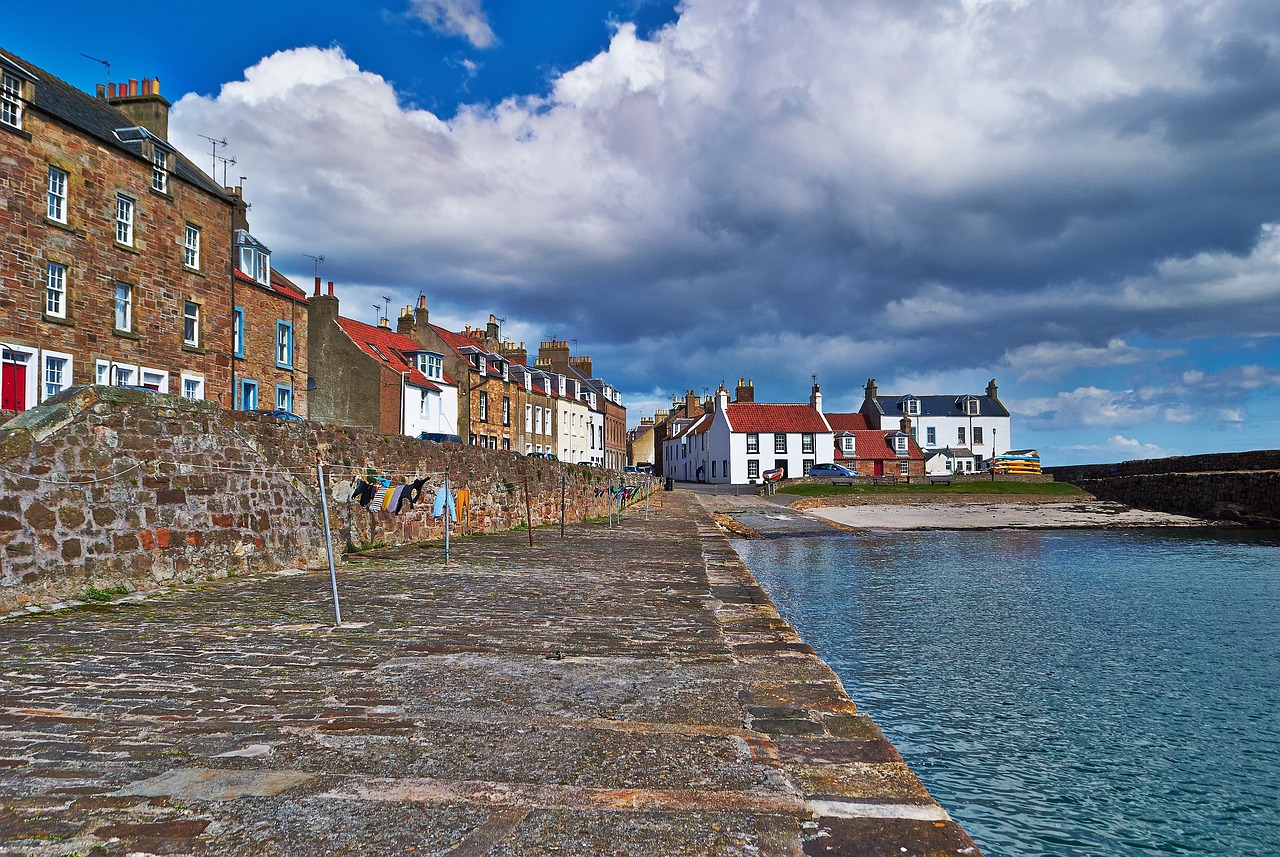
(328, 540)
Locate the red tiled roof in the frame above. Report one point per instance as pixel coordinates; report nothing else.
(872, 444)
(847, 422)
(285, 286)
(756, 417)
(393, 346)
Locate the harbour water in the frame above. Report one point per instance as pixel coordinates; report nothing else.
(1099, 692)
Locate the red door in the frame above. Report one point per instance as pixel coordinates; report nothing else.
(879, 471)
(13, 387)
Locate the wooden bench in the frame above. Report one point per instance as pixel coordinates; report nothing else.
(939, 480)
(842, 480)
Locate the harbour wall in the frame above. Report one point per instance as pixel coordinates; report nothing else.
(1242, 487)
(120, 489)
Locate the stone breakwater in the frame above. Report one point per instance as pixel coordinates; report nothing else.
(115, 489)
(625, 691)
(1235, 487)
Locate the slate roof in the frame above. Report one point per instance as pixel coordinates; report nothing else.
(952, 452)
(942, 406)
(389, 348)
(847, 422)
(785, 419)
(98, 119)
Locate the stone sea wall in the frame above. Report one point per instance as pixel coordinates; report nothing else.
(117, 489)
(1242, 487)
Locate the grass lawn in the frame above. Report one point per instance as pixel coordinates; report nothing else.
(1055, 489)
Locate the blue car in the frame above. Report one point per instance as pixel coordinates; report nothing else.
(282, 414)
(829, 470)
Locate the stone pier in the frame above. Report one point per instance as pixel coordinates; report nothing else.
(623, 691)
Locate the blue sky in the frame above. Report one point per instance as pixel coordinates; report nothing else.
(1075, 197)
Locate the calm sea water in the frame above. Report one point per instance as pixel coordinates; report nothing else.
(1060, 693)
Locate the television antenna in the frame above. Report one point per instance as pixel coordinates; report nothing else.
(317, 260)
(387, 315)
(215, 143)
(226, 162)
(105, 63)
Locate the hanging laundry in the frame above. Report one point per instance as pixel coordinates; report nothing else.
(443, 503)
(362, 493)
(413, 492)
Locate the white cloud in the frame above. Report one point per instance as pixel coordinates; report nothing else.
(1122, 446)
(463, 18)
(773, 189)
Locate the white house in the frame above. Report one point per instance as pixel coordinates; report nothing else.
(747, 438)
(572, 416)
(948, 460)
(685, 451)
(979, 423)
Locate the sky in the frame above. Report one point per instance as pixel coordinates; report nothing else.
(1077, 198)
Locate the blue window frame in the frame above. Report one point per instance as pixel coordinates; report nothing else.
(284, 397)
(284, 345)
(237, 331)
(248, 395)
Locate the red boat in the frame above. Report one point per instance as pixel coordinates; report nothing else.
(774, 475)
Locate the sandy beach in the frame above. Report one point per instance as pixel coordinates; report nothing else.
(774, 516)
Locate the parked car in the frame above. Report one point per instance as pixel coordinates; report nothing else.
(830, 470)
(549, 456)
(439, 437)
(631, 468)
(282, 414)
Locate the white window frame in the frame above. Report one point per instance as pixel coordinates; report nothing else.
(975, 437)
(64, 373)
(753, 469)
(255, 264)
(125, 209)
(284, 397)
(900, 443)
(157, 376)
(11, 101)
(753, 443)
(913, 407)
(124, 307)
(930, 436)
(159, 169)
(806, 443)
(779, 443)
(284, 344)
(191, 247)
(424, 406)
(528, 418)
(58, 181)
(971, 407)
(191, 324)
(192, 386)
(55, 290)
(904, 468)
(114, 374)
(960, 435)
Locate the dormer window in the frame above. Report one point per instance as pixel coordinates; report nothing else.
(160, 167)
(846, 444)
(253, 258)
(910, 406)
(11, 100)
(431, 365)
(900, 444)
(971, 407)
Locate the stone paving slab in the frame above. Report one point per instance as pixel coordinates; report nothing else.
(625, 691)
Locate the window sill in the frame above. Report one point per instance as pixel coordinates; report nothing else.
(57, 319)
(26, 135)
(195, 272)
(125, 334)
(163, 194)
(194, 349)
(59, 224)
(288, 367)
(128, 248)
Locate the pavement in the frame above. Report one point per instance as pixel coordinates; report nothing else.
(624, 691)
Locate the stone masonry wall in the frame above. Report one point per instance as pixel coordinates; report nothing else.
(1243, 487)
(107, 487)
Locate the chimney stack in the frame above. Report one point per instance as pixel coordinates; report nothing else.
(142, 104)
(746, 391)
(491, 331)
(815, 398)
(871, 389)
(991, 390)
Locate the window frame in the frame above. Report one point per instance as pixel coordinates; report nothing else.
(247, 385)
(904, 468)
(123, 307)
(506, 410)
(66, 378)
(779, 443)
(255, 264)
(483, 406)
(960, 435)
(197, 381)
(237, 331)
(753, 443)
(126, 213)
(50, 311)
(284, 344)
(284, 397)
(12, 99)
(753, 468)
(159, 170)
(975, 437)
(806, 443)
(931, 436)
(190, 248)
(58, 189)
(191, 324)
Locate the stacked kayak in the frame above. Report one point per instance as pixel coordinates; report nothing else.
(1016, 461)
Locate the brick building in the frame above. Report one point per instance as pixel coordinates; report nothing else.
(269, 338)
(116, 265)
(608, 416)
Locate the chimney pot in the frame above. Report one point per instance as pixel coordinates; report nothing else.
(155, 86)
(146, 86)
(422, 301)
(102, 91)
(331, 288)
(133, 87)
(317, 286)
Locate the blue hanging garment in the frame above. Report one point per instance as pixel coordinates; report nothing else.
(444, 499)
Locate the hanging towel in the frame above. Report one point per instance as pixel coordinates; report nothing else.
(389, 501)
(379, 498)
